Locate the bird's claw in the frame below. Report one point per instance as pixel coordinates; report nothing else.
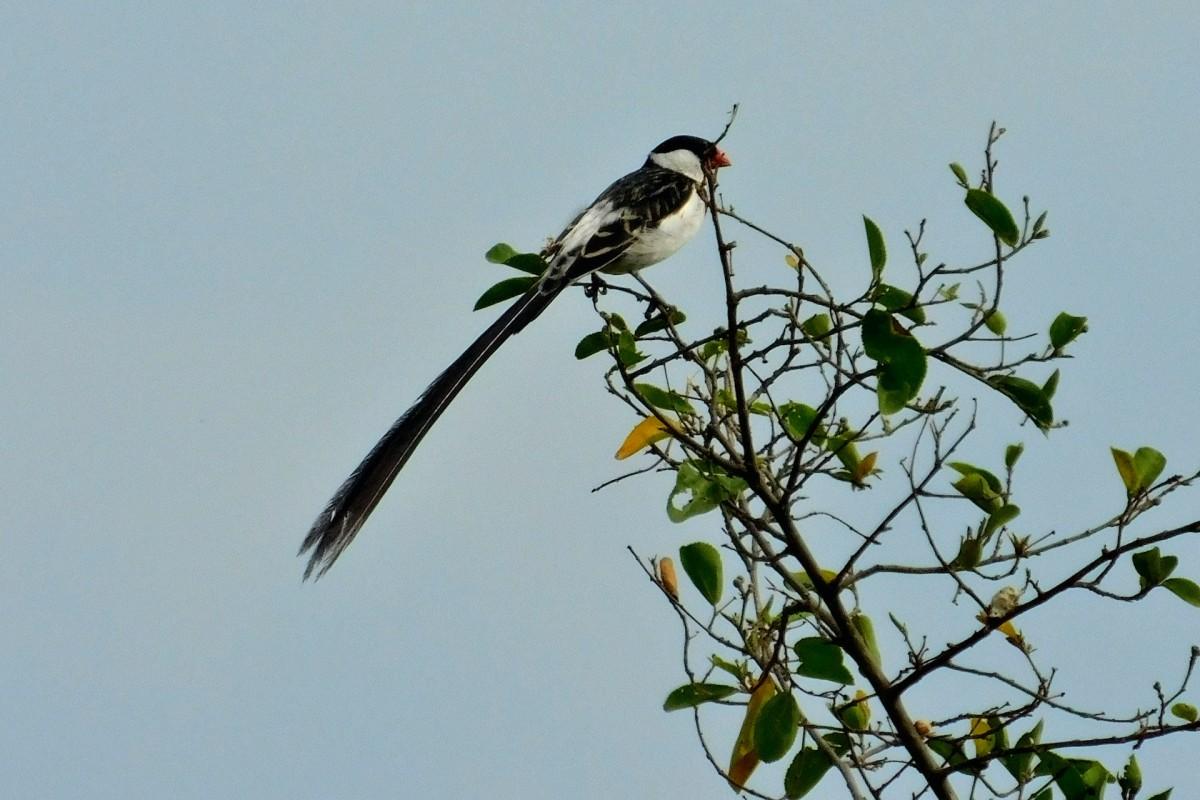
(595, 287)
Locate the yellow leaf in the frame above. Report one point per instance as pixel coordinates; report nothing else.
(644, 434)
(979, 732)
(745, 757)
(1127, 470)
(803, 579)
(666, 574)
(865, 467)
(792, 261)
(1014, 636)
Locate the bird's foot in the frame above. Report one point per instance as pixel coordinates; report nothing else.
(595, 287)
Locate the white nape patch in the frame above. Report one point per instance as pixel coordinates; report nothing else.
(684, 161)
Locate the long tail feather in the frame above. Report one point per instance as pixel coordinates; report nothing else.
(357, 497)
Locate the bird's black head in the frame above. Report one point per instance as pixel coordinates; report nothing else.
(708, 153)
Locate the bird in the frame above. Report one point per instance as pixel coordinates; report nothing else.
(639, 220)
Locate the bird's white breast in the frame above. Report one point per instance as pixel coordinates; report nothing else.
(662, 241)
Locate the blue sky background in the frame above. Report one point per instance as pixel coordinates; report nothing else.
(238, 242)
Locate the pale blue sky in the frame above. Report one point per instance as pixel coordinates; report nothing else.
(237, 243)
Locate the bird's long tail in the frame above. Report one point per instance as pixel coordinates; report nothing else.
(354, 501)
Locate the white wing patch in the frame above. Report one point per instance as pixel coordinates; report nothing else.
(577, 237)
(639, 220)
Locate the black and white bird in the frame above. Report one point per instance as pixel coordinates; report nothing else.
(639, 220)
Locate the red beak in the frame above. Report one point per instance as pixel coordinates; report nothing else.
(719, 159)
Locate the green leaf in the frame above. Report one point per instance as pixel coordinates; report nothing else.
(900, 356)
(842, 446)
(1185, 711)
(1077, 779)
(1028, 397)
(963, 468)
(839, 741)
(1066, 329)
(821, 659)
(776, 726)
(593, 343)
(1138, 471)
(1167, 565)
(694, 694)
(662, 398)
(712, 349)
(1012, 453)
(707, 486)
(996, 323)
(1095, 774)
(659, 323)
(1148, 463)
(817, 326)
(1051, 385)
(994, 214)
(805, 772)
(736, 669)
(951, 751)
(525, 262)
(798, 419)
(856, 714)
(617, 321)
(1000, 518)
(898, 300)
(866, 629)
(975, 488)
(1045, 794)
(950, 292)
(500, 253)
(970, 552)
(961, 174)
(1153, 567)
(702, 563)
(627, 352)
(1019, 765)
(1131, 777)
(1162, 795)
(726, 399)
(1184, 589)
(877, 248)
(504, 290)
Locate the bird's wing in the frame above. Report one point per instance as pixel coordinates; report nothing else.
(614, 221)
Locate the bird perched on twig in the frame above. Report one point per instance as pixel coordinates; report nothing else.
(639, 220)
